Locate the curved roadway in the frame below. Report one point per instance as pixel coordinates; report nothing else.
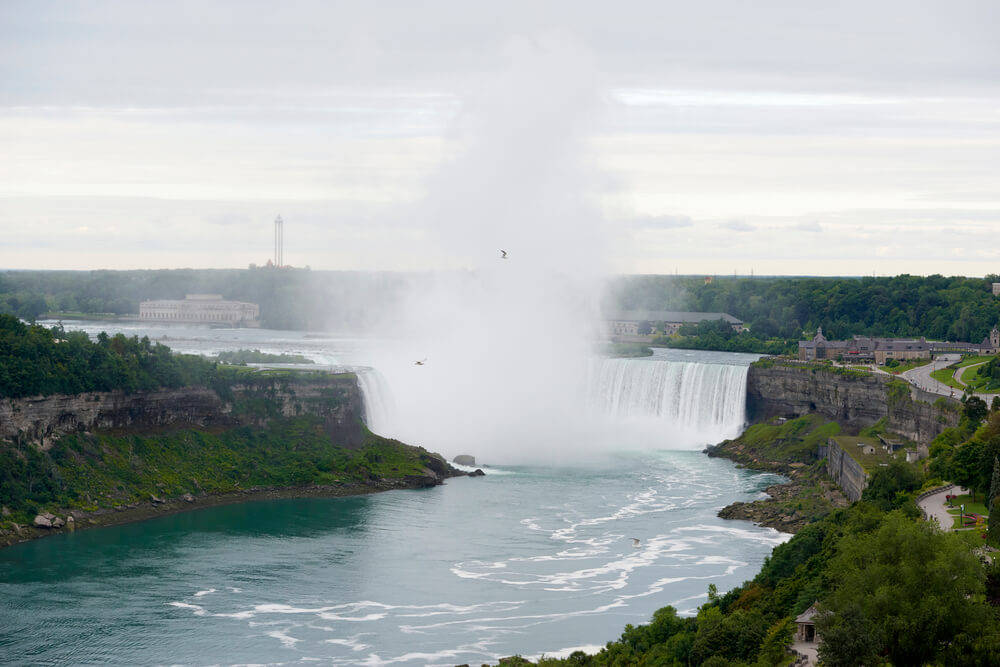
(921, 376)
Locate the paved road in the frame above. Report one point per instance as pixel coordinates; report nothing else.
(921, 376)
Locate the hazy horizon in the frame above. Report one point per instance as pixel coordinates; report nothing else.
(661, 138)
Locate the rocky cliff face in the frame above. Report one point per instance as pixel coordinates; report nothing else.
(845, 471)
(41, 419)
(855, 400)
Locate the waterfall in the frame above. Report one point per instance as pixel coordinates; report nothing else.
(378, 399)
(705, 401)
(675, 398)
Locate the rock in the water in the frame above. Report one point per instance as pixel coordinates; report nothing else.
(464, 460)
(42, 522)
(477, 473)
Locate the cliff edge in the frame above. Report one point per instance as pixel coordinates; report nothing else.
(100, 458)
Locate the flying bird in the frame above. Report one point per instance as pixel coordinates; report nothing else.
(420, 363)
(635, 541)
(503, 254)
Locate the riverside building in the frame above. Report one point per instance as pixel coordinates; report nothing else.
(624, 324)
(879, 350)
(201, 309)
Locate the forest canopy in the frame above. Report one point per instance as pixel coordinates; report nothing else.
(36, 360)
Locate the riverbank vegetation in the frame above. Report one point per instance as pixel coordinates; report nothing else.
(887, 586)
(39, 361)
(789, 448)
(931, 601)
(256, 443)
(91, 471)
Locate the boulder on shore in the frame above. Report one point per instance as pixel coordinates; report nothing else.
(464, 460)
(477, 473)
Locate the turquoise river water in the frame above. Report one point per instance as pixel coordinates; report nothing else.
(530, 559)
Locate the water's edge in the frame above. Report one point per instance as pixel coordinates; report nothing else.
(136, 512)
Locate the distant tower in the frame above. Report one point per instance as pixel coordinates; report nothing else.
(279, 242)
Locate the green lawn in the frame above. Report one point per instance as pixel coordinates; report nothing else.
(945, 376)
(980, 384)
(970, 361)
(908, 366)
(971, 507)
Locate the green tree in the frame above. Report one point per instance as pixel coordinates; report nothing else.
(993, 504)
(889, 486)
(849, 638)
(965, 469)
(974, 411)
(909, 587)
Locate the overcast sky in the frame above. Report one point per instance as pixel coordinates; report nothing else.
(845, 138)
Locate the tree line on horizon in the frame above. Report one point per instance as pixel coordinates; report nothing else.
(774, 308)
(936, 307)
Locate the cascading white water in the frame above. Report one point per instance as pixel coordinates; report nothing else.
(674, 399)
(378, 399)
(707, 399)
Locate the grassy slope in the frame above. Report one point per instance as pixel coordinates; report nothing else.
(93, 471)
(790, 449)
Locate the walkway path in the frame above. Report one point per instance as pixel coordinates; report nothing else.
(935, 506)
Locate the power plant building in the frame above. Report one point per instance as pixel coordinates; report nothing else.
(201, 309)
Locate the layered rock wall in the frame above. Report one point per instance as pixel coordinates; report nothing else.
(853, 398)
(845, 471)
(41, 419)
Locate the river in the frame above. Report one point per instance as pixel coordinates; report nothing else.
(533, 558)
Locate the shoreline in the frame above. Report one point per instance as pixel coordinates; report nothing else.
(806, 495)
(152, 509)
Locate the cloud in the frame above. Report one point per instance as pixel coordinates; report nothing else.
(661, 221)
(809, 226)
(738, 226)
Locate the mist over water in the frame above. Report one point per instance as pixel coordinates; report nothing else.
(504, 367)
(505, 342)
(667, 401)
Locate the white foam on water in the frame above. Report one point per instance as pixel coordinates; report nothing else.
(286, 640)
(197, 609)
(352, 643)
(205, 592)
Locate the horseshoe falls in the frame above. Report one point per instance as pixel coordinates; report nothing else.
(674, 399)
(694, 398)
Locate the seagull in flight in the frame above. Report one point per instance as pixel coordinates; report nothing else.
(635, 542)
(503, 254)
(420, 363)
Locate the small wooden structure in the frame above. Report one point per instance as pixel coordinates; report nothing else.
(806, 626)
